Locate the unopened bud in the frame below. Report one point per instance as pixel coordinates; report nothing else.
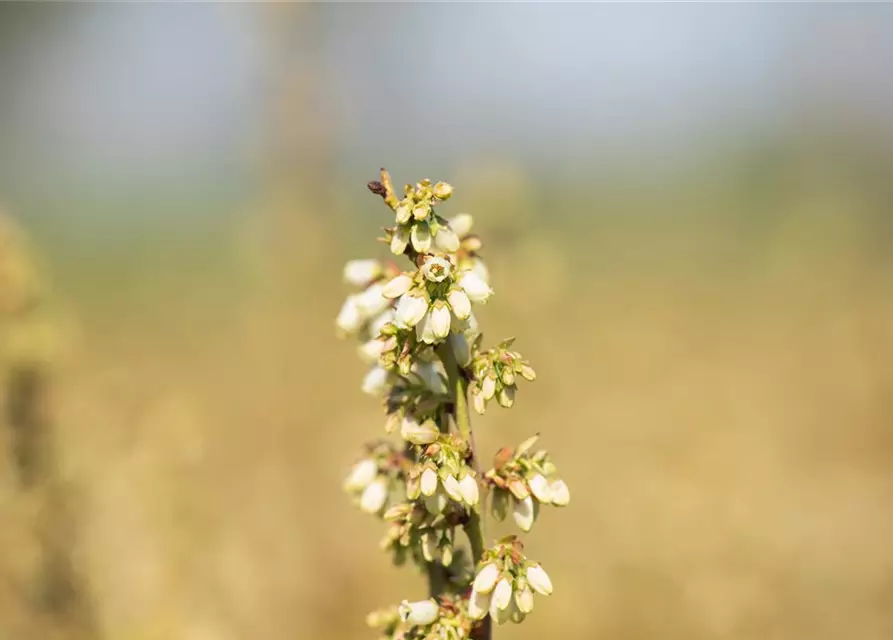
(442, 190)
(420, 613)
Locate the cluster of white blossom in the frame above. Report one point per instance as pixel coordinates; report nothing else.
(505, 582)
(522, 482)
(417, 330)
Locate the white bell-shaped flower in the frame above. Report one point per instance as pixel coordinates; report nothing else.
(440, 320)
(475, 287)
(478, 605)
(539, 579)
(436, 269)
(539, 487)
(432, 375)
(524, 599)
(459, 303)
(371, 301)
(446, 240)
(420, 236)
(461, 348)
(469, 488)
(500, 600)
(376, 381)
(486, 578)
(397, 286)
(428, 482)
(461, 224)
(399, 241)
(370, 350)
(359, 273)
(410, 310)
(361, 475)
(424, 433)
(350, 318)
(488, 387)
(374, 496)
(451, 486)
(402, 213)
(561, 495)
(419, 614)
(523, 513)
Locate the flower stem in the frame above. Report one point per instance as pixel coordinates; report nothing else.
(474, 527)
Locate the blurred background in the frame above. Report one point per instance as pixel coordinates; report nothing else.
(686, 213)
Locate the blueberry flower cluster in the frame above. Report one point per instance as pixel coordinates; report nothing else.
(416, 329)
(522, 482)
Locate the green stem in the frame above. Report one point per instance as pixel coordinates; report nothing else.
(474, 526)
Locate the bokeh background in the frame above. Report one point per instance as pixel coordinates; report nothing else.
(686, 212)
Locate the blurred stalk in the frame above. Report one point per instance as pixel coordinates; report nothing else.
(28, 342)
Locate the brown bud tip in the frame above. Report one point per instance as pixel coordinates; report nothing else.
(502, 457)
(377, 188)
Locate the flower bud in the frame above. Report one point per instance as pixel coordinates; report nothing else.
(370, 350)
(446, 240)
(524, 599)
(437, 503)
(374, 496)
(416, 433)
(361, 475)
(507, 376)
(402, 213)
(527, 372)
(539, 579)
(506, 397)
(502, 595)
(478, 401)
(424, 330)
(420, 236)
(429, 482)
(461, 349)
(399, 241)
(420, 613)
(500, 616)
(478, 603)
(499, 504)
(376, 381)
(451, 486)
(459, 303)
(488, 386)
(440, 320)
(359, 273)
(393, 421)
(469, 488)
(442, 190)
(371, 302)
(436, 269)
(349, 319)
(461, 224)
(523, 513)
(410, 310)
(446, 554)
(518, 489)
(429, 546)
(486, 578)
(421, 210)
(539, 487)
(561, 495)
(397, 286)
(476, 289)
(432, 376)
(379, 322)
